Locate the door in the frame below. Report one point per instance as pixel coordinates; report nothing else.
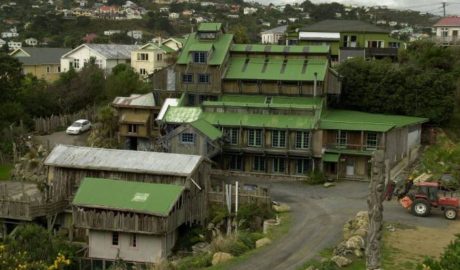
(132, 143)
(350, 170)
(455, 34)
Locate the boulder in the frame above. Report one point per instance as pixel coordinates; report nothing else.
(282, 207)
(341, 261)
(355, 242)
(358, 253)
(328, 184)
(220, 257)
(201, 247)
(263, 242)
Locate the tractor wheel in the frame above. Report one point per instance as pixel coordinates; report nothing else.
(450, 213)
(421, 208)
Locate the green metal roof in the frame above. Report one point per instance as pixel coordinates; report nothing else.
(201, 47)
(339, 26)
(331, 157)
(182, 114)
(276, 102)
(220, 45)
(275, 69)
(298, 122)
(207, 129)
(167, 49)
(209, 27)
(154, 199)
(355, 120)
(291, 49)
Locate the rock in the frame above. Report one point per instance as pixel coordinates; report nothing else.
(355, 242)
(328, 184)
(220, 257)
(263, 242)
(358, 253)
(282, 207)
(341, 261)
(201, 247)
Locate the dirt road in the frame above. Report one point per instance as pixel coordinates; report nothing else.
(63, 138)
(318, 217)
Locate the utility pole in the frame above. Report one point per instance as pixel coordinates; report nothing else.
(444, 8)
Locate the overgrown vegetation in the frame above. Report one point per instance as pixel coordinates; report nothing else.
(449, 260)
(5, 171)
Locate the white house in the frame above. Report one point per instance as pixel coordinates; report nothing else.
(233, 16)
(447, 30)
(2, 42)
(111, 32)
(136, 34)
(31, 42)
(12, 45)
(249, 10)
(106, 56)
(273, 36)
(150, 58)
(164, 9)
(9, 34)
(174, 43)
(393, 23)
(293, 20)
(381, 22)
(173, 16)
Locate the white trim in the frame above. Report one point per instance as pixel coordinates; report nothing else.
(319, 35)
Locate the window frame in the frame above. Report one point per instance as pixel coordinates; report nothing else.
(279, 162)
(278, 140)
(339, 139)
(306, 166)
(187, 138)
(302, 140)
(200, 57)
(255, 133)
(236, 160)
(132, 128)
(189, 76)
(374, 144)
(259, 164)
(76, 63)
(142, 56)
(233, 135)
(133, 240)
(202, 76)
(115, 239)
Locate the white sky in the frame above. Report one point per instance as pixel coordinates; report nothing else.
(433, 6)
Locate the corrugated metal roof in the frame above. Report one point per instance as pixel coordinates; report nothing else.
(207, 129)
(331, 157)
(319, 36)
(138, 197)
(114, 51)
(343, 26)
(179, 115)
(221, 46)
(41, 56)
(279, 29)
(265, 102)
(278, 49)
(147, 100)
(169, 102)
(448, 21)
(122, 160)
(209, 27)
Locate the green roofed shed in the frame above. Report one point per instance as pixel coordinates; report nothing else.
(331, 157)
(139, 197)
(207, 129)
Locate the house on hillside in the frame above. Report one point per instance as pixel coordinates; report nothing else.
(273, 36)
(14, 45)
(447, 31)
(106, 56)
(349, 38)
(136, 121)
(150, 58)
(43, 63)
(31, 42)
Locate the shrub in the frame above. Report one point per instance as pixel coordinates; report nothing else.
(316, 178)
(252, 216)
(231, 244)
(195, 262)
(449, 260)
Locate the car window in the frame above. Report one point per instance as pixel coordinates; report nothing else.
(76, 124)
(85, 123)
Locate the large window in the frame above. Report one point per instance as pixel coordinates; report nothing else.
(232, 135)
(341, 139)
(203, 78)
(199, 57)
(142, 56)
(132, 128)
(187, 137)
(279, 138)
(371, 141)
(303, 166)
(279, 165)
(187, 78)
(236, 162)
(375, 44)
(159, 57)
(302, 140)
(76, 63)
(115, 237)
(259, 164)
(254, 137)
(142, 71)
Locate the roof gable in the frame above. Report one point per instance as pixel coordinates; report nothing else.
(448, 21)
(220, 47)
(210, 27)
(39, 56)
(207, 129)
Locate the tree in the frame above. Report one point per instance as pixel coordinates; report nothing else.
(123, 81)
(450, 259)
(10, 77)
(240, 34)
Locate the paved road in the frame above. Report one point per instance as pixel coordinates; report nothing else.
(318, 218)
(63, 138)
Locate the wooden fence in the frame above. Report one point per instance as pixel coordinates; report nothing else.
(257, 196)
(47, 125)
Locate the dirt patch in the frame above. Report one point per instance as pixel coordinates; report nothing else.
(405, 247)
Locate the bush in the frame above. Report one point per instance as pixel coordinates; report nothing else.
(231, 244)
(195, 262)
(217, 213)
(252, 216)
(449, 260)
(316, 178)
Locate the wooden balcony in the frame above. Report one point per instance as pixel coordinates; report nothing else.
(360, 149)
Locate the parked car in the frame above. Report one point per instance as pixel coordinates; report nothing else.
(79, 126)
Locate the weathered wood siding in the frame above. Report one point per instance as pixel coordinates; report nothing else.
(215, 76)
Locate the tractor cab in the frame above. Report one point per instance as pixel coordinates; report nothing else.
(427, 190)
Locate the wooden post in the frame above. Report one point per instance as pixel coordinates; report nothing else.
(374, 202)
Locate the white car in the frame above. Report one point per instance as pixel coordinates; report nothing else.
(78, 127)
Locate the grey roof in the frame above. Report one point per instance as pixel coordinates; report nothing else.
(122, 160)
(279, 29)
(339, 26)
(40, 56)
(134, 100)
(114, 51)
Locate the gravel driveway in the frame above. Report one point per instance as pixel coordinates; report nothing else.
(318, 217)
(63, 138)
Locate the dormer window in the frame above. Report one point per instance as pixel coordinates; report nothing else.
(200, 57)
(207, 35)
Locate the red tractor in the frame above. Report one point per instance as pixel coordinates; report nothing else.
(424, 196)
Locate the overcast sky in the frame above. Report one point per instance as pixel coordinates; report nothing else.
(433, 6)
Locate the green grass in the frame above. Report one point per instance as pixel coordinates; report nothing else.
(5, 171)
(275, 234)
(357, 264)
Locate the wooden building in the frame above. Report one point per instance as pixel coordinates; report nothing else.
(136, 120)
(128, 220)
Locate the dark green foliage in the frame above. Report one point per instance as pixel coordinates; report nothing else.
(450, 259)
(124, 81)
(190, 236)
(251, 216)
(316, 178)
(195, 262)
(218, 213)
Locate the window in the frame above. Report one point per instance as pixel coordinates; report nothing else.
(187, 78)
(203, 78)
(76, 63)
(303, 166)
(188, 138)
(159, 57)
(142, 56)
(375, 44)
(98, 63)
(133, 240)
(114, 238)
(394, 44)
(59, 69)
(341, 138)
(255, 137)
(132, 128)
(444, 32)
(199, 57)
(232, 135)
(142, 71)
(279, 165)
(236, 162)
(279, 138)
(259, 164)
(48, 69)
(371, 140)
(302, 140)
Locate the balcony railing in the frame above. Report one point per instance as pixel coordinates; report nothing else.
(355, 147)
(381, 52)
(451, 40)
